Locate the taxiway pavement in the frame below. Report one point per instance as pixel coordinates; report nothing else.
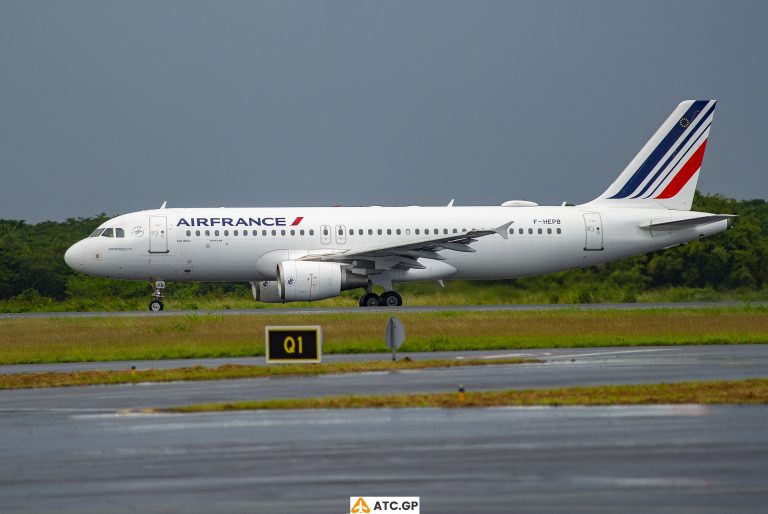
(76, 450)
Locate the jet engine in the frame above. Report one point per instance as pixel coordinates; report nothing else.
(299, 281)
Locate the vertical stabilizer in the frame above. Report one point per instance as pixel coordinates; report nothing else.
(665, 171)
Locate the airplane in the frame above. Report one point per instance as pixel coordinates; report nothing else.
(312, 253)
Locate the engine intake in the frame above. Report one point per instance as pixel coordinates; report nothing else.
(266, 291)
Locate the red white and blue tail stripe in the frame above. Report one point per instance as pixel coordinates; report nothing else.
(665, 171)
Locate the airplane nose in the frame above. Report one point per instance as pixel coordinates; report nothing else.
(74, 256)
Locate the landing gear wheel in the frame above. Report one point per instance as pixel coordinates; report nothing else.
(158, 293)
(391, 299)
(370, 300)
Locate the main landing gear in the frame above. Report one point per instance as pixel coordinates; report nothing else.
(388, 299)
(158, 293)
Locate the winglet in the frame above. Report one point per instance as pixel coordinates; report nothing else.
(503, 230)
(163, 206)
(450, 204)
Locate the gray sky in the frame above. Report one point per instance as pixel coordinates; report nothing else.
(114, 106)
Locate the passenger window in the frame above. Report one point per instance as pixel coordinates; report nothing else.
(235, 232)
(379, 231)
(511, 231)
(360, 232)
(417, 232)
(301, 232)
(445, 231)
(189, 233)
(341, 231)
(351, 232)
(274, 232)
(207, 232)
(108, 233)
(370, 231)
(263, 232)
(293, 232)
(530, 231)
(282, 232)
(325, 231)
(407, 232)
(389, 231)
(455, 231)
(539, 231)
(216, 233)
(226, 232)
(549, 231)
(245, 232)
(520, 231)
(426, 231)
(558, 231)
(119, 232)
(311, 232)
(197, 232)
(397, 232)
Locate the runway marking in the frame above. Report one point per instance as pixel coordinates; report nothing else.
(608, 353)
(505, 356)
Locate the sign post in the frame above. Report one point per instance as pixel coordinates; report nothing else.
(293, 344)
(394, 335)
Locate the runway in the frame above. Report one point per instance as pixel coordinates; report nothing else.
(76, 450)
(565, 367)
(617, 459)
(287, 311)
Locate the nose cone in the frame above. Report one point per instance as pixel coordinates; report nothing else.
(74, 256)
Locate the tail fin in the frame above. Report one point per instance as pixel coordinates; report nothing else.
(665, 171)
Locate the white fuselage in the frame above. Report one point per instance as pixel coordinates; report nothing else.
(246, 244)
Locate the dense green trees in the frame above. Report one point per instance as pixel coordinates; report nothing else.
(32, 267)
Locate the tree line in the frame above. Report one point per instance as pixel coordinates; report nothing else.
(32, 263)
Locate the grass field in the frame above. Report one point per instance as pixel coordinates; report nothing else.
(750, 391)
(200, 336)
(230, 371)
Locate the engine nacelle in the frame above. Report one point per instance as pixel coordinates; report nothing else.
(307, 281)
(266, 291)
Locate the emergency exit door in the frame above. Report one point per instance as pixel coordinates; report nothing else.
(158, 234)
(341, 234)
(594, 229)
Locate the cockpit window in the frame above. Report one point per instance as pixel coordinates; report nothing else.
(97, 232)
(119, 232)
(108, 233)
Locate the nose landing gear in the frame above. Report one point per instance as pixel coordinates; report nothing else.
(158, 293)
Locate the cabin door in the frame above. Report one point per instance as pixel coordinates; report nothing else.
(594, 227)
(158, 234)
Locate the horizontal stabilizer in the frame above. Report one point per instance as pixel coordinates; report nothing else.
(688, 223)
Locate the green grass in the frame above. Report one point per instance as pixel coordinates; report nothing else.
(90, 294)
(207, 336)
(749, 391)
(230, 371)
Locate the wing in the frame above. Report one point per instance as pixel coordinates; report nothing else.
(378, 259)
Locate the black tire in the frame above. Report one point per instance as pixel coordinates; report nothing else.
(156, 306)
(370, 300)
(391, 299)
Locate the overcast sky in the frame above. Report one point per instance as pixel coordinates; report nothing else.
(114, 106)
